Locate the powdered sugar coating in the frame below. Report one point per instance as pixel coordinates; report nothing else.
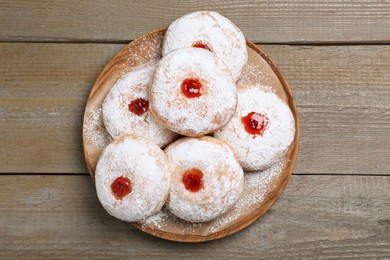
(147, 168)
(93, 129)
(192, 116)
(257, 152)
(117, 118)
(216, 31)
(257, 185)
(222, 178)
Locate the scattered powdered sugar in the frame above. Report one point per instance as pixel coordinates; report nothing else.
(265, 88)
(147, 168)
(214, 30)
(164, 219)
(117, 118)
(93, 129)
(222, 178)
(256, 152)
(254, 72)
(256, 188)
(257, 183)
(157, 220)
(143, 50)
(192, 116)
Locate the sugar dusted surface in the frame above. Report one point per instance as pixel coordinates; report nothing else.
(224, 38)
(256, 186)
(93, 129)
(222, 178)
(147, 168)
(192, 116)
(257, 152)
(117, 118)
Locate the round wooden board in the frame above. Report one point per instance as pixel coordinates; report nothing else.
(260, 71)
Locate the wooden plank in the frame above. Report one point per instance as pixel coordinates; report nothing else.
(43, 92)
(343, 99)
(262, 21)
(342, 93)
(329, 216)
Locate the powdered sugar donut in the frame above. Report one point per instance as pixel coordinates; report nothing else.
(193, 92)
(125, 108)
(211, 31)
(132, 178)
(261, 130)
(207, 178)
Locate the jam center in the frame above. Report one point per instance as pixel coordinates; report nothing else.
(191, 88)
(193, 180)
(201, 45)
(139, 106)
(255, 123)
(121, 187)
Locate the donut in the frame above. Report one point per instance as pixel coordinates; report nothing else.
(192, 92)
(207, 178)
(261, 130)
(132, 178)
(210, 31)
(125, 108)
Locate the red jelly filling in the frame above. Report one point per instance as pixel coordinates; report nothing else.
(121, 187)
(255, 123)
(193, 180)
(201, 45)
(191, 88)
(139, 106)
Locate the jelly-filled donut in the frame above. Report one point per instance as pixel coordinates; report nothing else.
(261, 130)
(126, 108)
(207, 178)
(192, 92)
(132, 178)
(210, 31)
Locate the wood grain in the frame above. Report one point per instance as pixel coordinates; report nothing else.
(342, 94)
(327, 216)
(343, 99)
(294, 21)
(43, 91)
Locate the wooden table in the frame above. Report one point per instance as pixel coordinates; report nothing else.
(336, 57)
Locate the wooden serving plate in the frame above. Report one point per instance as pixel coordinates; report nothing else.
(261, 189)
